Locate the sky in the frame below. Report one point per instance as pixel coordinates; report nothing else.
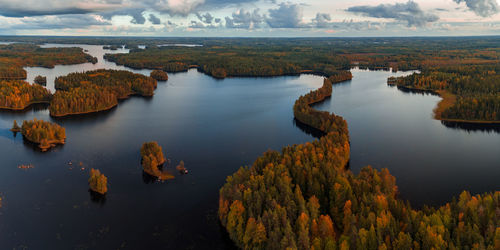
(250, 18)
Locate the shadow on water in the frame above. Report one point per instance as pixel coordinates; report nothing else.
(148, 179)
(32, 107)
(86, 118)
(473, 127)
(6, 133)
(467, 126)
(416, 91)
(316, 133)
(37, 149)
(97, 198)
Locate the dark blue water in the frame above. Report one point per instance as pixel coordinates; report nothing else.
(215, 126)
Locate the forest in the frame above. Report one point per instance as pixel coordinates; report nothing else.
(98, 182)
(45, 134)
(42, 80)
(152, 159)
(159, 75)
(98, 90)
(304, 197)
(18, 94)
(231, 61)
(473, 91)
(14, 57)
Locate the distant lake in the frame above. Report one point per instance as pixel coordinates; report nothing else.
(215, 126)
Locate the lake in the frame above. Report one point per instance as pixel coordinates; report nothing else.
(215, 126)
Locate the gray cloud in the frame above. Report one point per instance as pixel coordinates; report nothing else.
(154, 19)
(12, 8)
(483, 8)
(137, 17)
(287, 15)
(196, 25)
(408, 12)
(322, 20)
(206, 18)
(57, 22)
(245, 19)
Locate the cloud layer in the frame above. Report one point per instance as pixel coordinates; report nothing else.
(227, 17)
(484, 8)
(409, 12)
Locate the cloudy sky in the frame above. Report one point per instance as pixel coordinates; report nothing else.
(250, 17)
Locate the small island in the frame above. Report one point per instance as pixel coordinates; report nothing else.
(159, 75)
(45, 134)
(153, 159)
(181, 168)
(97, 90)
(110, 47)
(15, 127)
(98, 182)
(42, 80)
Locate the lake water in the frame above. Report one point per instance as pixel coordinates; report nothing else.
(215, 126)
(394, 129)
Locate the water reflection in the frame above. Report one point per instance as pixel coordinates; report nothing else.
(97, 198)
(316, 133)
(473, 127)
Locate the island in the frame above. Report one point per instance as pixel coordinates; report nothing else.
(97, 90)
(98, 182)
(15, 127)
(153, 159)
(110, 47)
(44, 134)
(18, 95)
(159, 75)
(42, 80)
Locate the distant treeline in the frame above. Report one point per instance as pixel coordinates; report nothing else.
(221, 62)
(14, 57)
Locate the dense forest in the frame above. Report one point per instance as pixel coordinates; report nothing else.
(304, 197)
(97, 90)
(17, 94)
(159, 75)
(153, 159)
(472, 91)
(221, 62)
(14, 57)
(45, 134)
(42, 80)
(98, 182)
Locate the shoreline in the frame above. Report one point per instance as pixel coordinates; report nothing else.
(25, 107)
(83, 112)
(447, 100)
